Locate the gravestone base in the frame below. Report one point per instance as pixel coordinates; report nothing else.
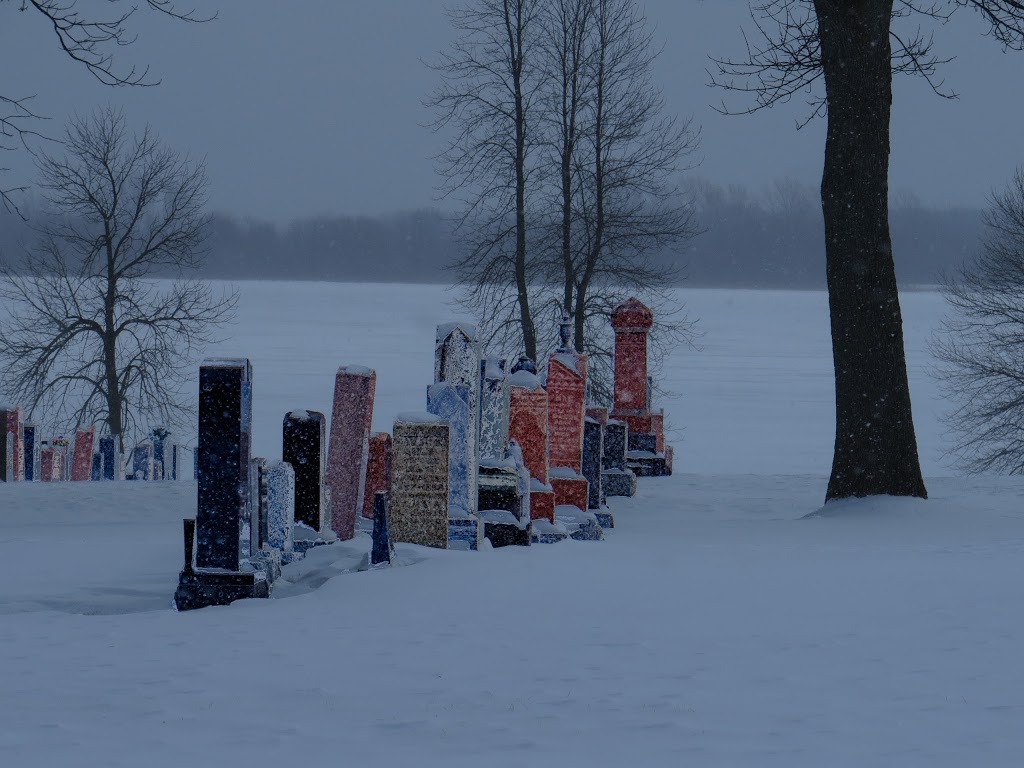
(542, 502)
(573, 490)
(618, 482)
(641, 441)
(503, 529)
(269, 561)
(582, 525)
(463, 531)
(648, 463)
(305, 538)
(199, 589)
(543, 531)
(498, 487)
(604, 518)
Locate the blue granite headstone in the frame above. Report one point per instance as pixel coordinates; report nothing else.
(31, 451)
(97, 467)
(450, 403)
(280, 505)
(142, 462)
(107, 450)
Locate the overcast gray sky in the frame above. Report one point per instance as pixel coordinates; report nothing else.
(315, 106)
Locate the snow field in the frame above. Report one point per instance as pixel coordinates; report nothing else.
(717, 625)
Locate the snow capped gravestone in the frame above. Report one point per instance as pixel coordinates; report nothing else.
(450, 403)
(457, 362)
(419, 480)
(499, 489)
(566, 389)
(528, 426)
(632, 322)
(281, 509)
(378, 471)
(352, 414)
(494, 407)
(303, 446)
(223, 529)
(85, 447)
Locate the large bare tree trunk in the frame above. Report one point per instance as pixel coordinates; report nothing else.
(876, 448)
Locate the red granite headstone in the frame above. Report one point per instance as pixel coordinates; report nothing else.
(85, 446)
(378, 470)
(567, 384)
(348, 450)
(49, 462)
(528, 426)
(11, 420)
(631, 321)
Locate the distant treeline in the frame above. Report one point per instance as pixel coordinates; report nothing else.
(771, 239)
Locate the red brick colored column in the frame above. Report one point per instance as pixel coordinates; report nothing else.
(632, 322)
(354, 388)
(85, 446)
(528, 426)
(378, 470)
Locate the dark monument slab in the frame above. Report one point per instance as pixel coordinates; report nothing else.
(381, 551)
(107, 453)
(304, 447)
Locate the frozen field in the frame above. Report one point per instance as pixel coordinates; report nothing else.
(716, 626)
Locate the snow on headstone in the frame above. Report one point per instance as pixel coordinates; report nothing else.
(280, 506)
(528, 426)
(457, 362)
(419, 481)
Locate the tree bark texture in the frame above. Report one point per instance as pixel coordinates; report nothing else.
(875, 448)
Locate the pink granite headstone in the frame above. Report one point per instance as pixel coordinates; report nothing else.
(49, 464)
(85, 447)
(349, 445)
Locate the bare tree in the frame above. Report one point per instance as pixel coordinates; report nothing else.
(853, 49)
(89, 335)
(90, 41)
(486, 99)
(981, 348)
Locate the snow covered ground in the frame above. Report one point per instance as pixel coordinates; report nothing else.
(718, 624)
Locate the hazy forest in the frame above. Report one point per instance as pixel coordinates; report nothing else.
(760, 239)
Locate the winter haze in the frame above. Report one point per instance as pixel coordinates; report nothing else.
(315, 109)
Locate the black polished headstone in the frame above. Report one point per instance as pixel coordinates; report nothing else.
(615, 439)
(225, 418)
(381, 552)
(643, 441)
(107, 456)
(303, 447)
(31, 451)
(593, 449)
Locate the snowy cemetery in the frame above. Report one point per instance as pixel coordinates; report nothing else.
(726, 619)
(500, 456)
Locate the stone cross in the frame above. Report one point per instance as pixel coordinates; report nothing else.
(351, 419)
(419, 480)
